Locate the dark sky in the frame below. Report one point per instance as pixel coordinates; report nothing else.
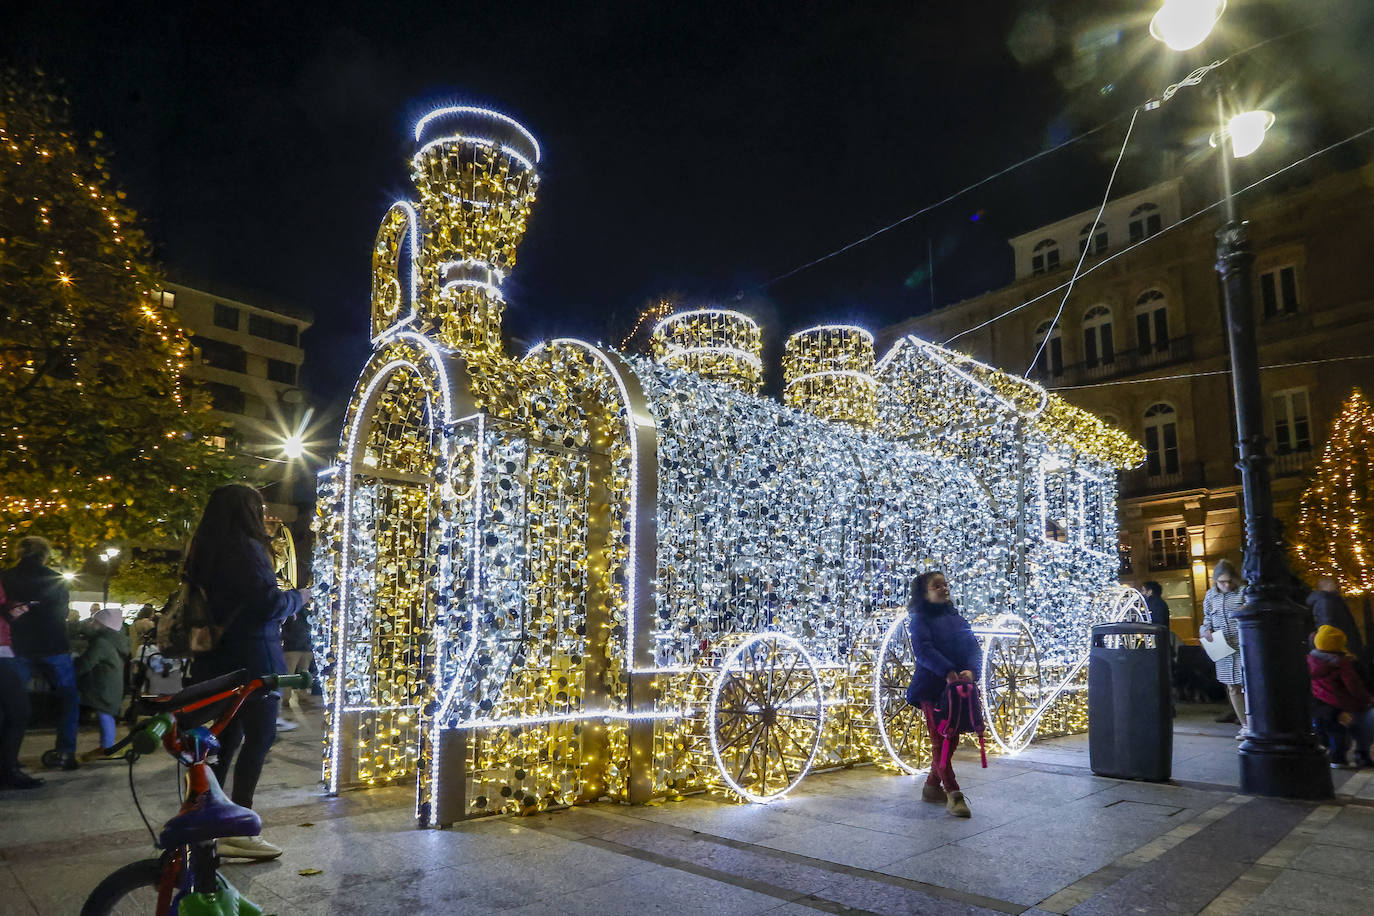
(688, 147)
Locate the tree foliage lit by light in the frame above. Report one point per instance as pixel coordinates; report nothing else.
(1336, 511)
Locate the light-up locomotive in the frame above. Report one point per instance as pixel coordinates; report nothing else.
(580, 573)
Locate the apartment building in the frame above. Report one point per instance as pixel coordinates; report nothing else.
(249, 357)
(1142, 343)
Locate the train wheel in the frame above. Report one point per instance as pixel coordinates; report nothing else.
(1012, 683)
(766, 716)
(901, 725)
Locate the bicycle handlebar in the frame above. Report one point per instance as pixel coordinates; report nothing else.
(147, 738)
(291, 681)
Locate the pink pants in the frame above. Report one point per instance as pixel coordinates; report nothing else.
(938, 776)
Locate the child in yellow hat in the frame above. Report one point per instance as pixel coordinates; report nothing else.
(1342, 707)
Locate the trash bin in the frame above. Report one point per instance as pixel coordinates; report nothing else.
(1130, 726)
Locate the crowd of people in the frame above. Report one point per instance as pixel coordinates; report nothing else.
(101, 664)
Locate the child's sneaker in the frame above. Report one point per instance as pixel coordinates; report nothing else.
(932, 792)
(957, 805)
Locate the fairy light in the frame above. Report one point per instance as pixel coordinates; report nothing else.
(1337, 508)
(580, 558)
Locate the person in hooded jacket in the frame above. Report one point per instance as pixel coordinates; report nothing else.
(1342, 707)
(946, 652)
(228, 557)
(100, 669)
(1329, 609)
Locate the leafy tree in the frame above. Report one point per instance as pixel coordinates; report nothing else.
(100, 438)
(1336, 511)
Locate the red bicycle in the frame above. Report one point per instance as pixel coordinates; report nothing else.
(184, 880)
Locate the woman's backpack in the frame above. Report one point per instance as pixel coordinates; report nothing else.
(186, 626)
(959, 712)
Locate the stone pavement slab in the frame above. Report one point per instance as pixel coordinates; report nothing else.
(1047, 836)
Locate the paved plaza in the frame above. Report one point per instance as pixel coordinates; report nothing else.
(1046, 836)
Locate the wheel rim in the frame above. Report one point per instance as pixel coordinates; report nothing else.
(901, 726)
(1012, 685)
(139, 901)
(766, 717)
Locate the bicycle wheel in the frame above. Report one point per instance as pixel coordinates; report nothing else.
(129, 890)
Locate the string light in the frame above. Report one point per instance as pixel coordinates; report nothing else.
(1336, 510)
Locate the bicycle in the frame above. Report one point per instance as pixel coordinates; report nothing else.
(185, 879)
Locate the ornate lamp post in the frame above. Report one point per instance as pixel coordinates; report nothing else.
(1281, 756)
(107, 557)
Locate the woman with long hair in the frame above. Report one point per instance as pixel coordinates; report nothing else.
(1219, 607)
(946, 653)
(229, 558)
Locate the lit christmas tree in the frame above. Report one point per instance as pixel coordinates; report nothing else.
(100, 439)
(1336, 512)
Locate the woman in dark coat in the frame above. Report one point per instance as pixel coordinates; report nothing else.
(229, 559)
(946, 652)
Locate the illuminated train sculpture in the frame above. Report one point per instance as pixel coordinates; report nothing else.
(583, 574)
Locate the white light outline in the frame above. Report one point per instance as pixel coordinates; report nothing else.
(1006, 625)
(733, 658)
(852, 328)
(346, 468)
(753, 361)
(899, 623)
(479, 141)
(413, 220)
(477, 110)
(713, 312)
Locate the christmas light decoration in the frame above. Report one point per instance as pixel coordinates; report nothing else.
(1336, 511)
(584, 574)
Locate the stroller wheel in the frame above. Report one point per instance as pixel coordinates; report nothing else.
(52, 759)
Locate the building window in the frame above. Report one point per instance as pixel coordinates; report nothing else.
(1092, 238)
(1098, 348)
(227, 397)
(221, 355)
(1152, 322)
(279, 370)
(1168, 547)
(1123, 557)
(1292, 429)
(226, 317)
(1145, 222)
(1161, 440)
(1045, 256)
(1050, 362)
(1279, 291)
(267, 329)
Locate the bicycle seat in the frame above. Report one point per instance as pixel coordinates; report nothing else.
(208, 814)
(196, 692)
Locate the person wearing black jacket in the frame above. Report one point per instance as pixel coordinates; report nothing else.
(228, 558)
(947, 652)
(39, 637)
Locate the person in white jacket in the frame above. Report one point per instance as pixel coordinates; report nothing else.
(1219, 606)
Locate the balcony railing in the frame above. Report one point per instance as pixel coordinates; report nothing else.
(1140, 482)
(1123, 362)
(1292, 464)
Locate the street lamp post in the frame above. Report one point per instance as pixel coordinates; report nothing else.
(1281, 756)
(107, 557)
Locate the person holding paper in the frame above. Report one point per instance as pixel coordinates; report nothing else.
(1221, 636)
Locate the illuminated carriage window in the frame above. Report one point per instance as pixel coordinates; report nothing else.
(1059, 500)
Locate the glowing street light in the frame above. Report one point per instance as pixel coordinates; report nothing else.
(1245, 131)
(107, 557)
(293, 446)
(1183, 24)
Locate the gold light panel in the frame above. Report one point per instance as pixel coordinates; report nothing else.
(828, 371)
(717, 344)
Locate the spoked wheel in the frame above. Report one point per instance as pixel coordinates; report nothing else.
(766, 716)
(130, 890)
(1012, 683)
(901, 725)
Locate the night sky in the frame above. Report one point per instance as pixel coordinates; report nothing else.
(688, 147)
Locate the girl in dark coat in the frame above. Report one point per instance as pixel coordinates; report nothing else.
(100, 669)
(946, 652)
(229, 558)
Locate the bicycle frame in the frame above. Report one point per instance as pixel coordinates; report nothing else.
(190, 883)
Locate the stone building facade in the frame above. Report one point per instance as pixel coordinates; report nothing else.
(1142, 343)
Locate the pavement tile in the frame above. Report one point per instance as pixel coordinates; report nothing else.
(1298, 891)
(1353, 827)
(844, 844)
(669, 893)
(879, 897)
(1338, 862)
(989, 871)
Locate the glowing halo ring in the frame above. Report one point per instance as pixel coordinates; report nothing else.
(828, 373)
(478, 141)
(849, 328)
(693, 313)
(749, 358)
(735, 658)
(1019, 733)
(898, 626)
(477, 110)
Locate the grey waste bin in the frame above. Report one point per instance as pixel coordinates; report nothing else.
(1130, 725)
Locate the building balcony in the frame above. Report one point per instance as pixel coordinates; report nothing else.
(1292, 464)
(1123, 362)
(1140, 482)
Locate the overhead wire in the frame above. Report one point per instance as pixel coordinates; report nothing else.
(1211, 372)
(1165, 231)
